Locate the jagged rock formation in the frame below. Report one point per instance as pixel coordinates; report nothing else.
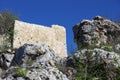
(97, 54)
(96, 32)
(39, 52)
(98, 43)
(40, 62)
(5, 59)
(95, 62)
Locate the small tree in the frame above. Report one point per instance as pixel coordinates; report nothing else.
(7, 20)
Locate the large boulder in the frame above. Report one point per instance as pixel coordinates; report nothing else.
(96, 32)
(37, 52)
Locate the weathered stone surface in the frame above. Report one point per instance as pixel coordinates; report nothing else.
(96, 32)
(117, 47)
(39, 61)
(47, 74)
(54, 36)
(36, 52)
(97, 54)
(5, 60)
(94, 57)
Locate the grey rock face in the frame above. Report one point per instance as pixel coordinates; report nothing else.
(5, 60)
(38, 73)
(117, 47)
(46, 74)
(92, 58)
(39, 52)
(95, 32)
(38, 61)
(97, 55)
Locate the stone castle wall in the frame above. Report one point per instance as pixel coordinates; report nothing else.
(54, 36)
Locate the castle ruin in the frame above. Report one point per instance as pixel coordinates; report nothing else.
(54, 36)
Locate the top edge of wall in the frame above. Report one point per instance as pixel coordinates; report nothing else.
(52, 26)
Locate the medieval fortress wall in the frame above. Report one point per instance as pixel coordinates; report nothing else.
(54, 36)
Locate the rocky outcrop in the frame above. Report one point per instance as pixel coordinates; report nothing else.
(96, 32)
(94, 62)
(35, 62)
(97, 54)
(5, 59)
(39, 62)
(39, 52)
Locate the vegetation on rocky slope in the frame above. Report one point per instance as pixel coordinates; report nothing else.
(97, 57)
(7, 20)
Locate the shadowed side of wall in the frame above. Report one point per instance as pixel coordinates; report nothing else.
(54, 36)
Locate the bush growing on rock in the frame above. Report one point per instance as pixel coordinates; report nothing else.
(95, 64)
(97, 58)
(20, 72)
(6, 28)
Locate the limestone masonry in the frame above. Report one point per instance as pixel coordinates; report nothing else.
(54, 36)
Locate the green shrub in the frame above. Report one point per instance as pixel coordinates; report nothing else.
(20, 72)
(7, 20)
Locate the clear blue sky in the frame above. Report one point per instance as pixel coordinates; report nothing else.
(62, 12)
